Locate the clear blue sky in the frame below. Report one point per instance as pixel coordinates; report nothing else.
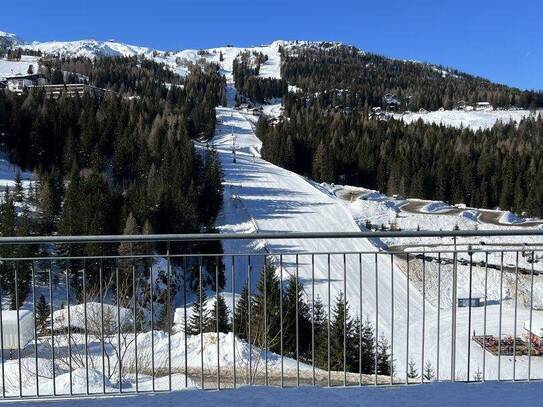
(499, 39)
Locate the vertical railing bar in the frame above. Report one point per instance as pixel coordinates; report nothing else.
(217, 293)
(531, 317)
(438, 313)
(185, 320)
(469, 314)
(249, 306)
(102, 327)
(135, 299)
(52, 322)
(169, 302)
(484, 317)
(500, 319)
(119, 351)
(18, 329)
(234, 384)
(201, 323)
(36, 359)
(361, 319)
(453, 316)
(313, 319)
(297, 327)
(281, 314)
(345, 320)
(515, 321)
(376, 320)
(328, 322)
(391, 319)
(85, 317)
(265, 322)
(69, 331)
(423, 315)
(152, 294)
(407, 324)
(2, 341)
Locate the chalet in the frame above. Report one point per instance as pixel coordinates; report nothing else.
(535, 331)
(465, 299)
(486, 106)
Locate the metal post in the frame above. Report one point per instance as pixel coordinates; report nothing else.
(217, 293)
(234, 385)
(469, 313)
(531, 317)
(51, 307)
(407, 325)
(500, 319)
(328, 322)
(169, 304)
(438, 312)
(392, 319)
(515, 321)
(376, 319)
(281, 314)
(484, 316)
(34, 309)
(345, 320)
(313, 318)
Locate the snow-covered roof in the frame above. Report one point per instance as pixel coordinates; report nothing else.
(537, 325)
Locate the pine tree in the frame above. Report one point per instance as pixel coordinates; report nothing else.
(265, 325)
(42, 314)
(429, 373)
(200, 316)
(294, 307)
(220, 313)
(321, 334)
(341, 328)
(368, 348)
(18, 194)
(412, 372)
(384, 364)
(241, 316)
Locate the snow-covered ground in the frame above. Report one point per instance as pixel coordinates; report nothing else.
(442, 394)
(12, 68)
(474, 120)
(8, 173)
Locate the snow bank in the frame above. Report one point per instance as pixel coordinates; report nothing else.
(510, 218)
(436, 206)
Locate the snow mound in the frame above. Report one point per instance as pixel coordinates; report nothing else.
(79, 382)
(471, 215)
(434, 207)
(510, 218)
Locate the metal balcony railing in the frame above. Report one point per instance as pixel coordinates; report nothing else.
(105, 315)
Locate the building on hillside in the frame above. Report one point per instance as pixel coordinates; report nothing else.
(70, 90)
(391, 101)
(486, 106)
(465, 299)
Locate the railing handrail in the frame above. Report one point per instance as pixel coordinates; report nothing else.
(265, 235)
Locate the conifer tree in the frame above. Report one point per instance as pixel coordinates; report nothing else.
(241, 316)
(42, 314)
(199, 320)
(295, 308)
(220, 314)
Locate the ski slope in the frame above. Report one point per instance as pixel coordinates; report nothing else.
(474, 120)
(261, 197)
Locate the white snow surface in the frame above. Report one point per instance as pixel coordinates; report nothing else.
(442, 394)
(475, 120)
(14, 68)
